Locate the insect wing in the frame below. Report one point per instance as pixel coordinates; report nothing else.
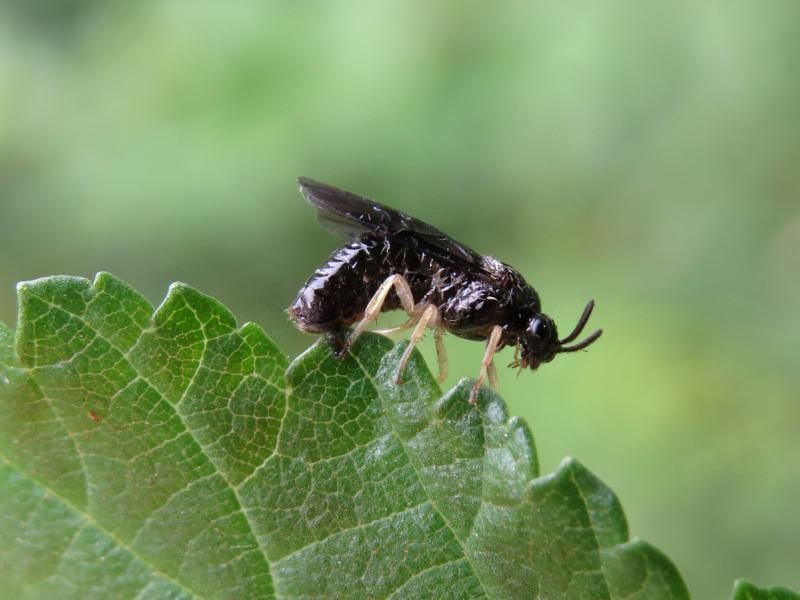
(339, 226)
(348, 214)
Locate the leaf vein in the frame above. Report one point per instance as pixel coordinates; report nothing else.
(439, 512)
(175, 406)
(97, 525)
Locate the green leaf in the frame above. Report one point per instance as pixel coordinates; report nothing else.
(744, 590)
(173, 454)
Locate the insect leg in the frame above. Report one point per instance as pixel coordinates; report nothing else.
(338, 341)
(487, 362)
(491, 372)
(375, 305)
(441, 353)
(402, 327)
(430, 316)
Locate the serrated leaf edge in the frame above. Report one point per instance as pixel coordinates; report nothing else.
(175, 290)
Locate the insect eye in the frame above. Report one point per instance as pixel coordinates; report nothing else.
(540, 328)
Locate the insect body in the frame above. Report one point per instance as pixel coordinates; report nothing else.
(395, 261)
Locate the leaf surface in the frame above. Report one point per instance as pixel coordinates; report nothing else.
(175, 454)
(744, 590)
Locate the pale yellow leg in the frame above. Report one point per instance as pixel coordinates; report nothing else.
(375, 305)
(441, 354)
(487, 364)
(402, 327)
(494, 382)
(429, 317)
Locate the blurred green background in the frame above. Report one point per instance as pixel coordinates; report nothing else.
(645, 154)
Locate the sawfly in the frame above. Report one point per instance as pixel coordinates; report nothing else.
(394, 261)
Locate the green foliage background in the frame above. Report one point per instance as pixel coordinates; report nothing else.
(644, 154)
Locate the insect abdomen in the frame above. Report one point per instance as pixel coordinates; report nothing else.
(335, 296)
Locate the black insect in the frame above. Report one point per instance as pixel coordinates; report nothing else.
(396, 261)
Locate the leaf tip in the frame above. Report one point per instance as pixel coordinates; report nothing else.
(207, 310)
(101, 277)
(297, 367)
(520, 434)
(454, 404)
(569, 463)
(179, 287)
(104, 280)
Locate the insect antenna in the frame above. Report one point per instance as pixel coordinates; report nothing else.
(587, 312)
(581, 345)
